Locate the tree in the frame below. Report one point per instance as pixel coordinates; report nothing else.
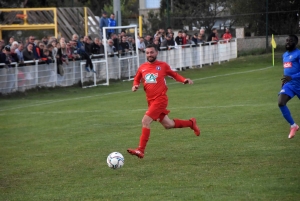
(283, 16)
(202, 13)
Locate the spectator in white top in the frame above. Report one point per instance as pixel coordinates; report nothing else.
(142, 45)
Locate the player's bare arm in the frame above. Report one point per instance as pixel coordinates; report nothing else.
(188, 81)
(135, 88)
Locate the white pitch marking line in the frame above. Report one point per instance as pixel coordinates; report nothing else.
(69, 99)
(137, 110)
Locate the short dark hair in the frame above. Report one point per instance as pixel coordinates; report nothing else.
(151, 45)
(295, 37)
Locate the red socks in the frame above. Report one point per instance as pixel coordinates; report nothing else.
(144, 139)
(182, 123)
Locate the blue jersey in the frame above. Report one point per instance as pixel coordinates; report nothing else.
(111, 23)
(291, 65)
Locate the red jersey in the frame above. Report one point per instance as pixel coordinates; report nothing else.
(152, 75)
(227, 36)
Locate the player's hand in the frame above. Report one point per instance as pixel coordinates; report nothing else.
(135, 88)
(286, 79)
(188, 81)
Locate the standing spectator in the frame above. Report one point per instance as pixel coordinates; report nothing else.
(69, 50)
(110, 48)
(147, 40)
(97, 46)
(19, 52)
(202, 33)
(142, 45)
(156, 44)
(179, 39)
(124, 46)
(152, 75)
(45, 40)
(111, 23)
(194, 38)
(10, 57)
(168, 43)
(86, 53)
(199, 39)
(103, 23)
(11, 40)
(2, 44)
(227, 35)
(31, 41)
(189, 40)
(28, 53)
(132, 45)
(213, 37)
(115, 39)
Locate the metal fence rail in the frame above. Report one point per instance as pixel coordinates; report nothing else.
(20, 78)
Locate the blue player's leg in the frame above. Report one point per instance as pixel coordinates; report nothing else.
(282, 101)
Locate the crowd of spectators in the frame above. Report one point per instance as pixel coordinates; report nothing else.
(48, 49)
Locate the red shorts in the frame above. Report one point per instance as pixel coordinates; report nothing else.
(157, 108)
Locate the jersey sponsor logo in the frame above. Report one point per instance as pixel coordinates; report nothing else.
(158, 68)
(151, 78)
(287, 65)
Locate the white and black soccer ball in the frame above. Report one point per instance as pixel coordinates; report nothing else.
(115, 160)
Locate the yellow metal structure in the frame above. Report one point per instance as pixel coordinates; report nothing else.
(141, 26)
(26, 26)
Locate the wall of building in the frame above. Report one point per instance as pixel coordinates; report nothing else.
(258, 42)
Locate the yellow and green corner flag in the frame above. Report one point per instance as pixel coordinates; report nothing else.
(273, 43)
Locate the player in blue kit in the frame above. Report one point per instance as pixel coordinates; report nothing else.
(290, 81)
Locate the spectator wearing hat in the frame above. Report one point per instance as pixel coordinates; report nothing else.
(103, 23)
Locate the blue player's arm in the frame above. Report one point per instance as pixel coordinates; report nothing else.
(295, 76)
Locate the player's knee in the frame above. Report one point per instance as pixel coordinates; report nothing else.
(168, 126)
(145, 123)
(281, 103)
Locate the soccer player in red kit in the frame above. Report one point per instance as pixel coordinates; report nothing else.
(152, 74)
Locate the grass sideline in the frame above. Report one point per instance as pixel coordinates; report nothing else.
(54, 142)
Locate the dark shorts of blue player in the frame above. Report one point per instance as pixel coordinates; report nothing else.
(289, 90)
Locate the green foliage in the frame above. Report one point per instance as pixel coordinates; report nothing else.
(194, 13)
(282, 16)
(54, 142)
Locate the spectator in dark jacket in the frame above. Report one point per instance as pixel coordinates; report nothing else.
(28, 54)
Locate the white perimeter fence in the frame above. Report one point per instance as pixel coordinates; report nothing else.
(21, 78)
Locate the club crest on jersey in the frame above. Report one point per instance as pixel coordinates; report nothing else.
(287, 64)
(158, 68)
(151, 77)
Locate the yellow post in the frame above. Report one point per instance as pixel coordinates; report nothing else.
(85, 22)
(25, 13)
(140, 26)
(55, 22)
(0, 34)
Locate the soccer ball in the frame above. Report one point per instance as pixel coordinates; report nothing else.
(115, 160)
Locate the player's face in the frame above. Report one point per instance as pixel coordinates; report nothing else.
(151, 54)
(290, 43)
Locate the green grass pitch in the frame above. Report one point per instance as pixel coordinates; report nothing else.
(54, 142)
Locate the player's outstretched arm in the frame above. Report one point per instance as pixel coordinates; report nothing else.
(286, 79)
(135, 88)
(188, 81)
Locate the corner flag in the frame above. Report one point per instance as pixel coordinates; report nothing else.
(273, 43)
